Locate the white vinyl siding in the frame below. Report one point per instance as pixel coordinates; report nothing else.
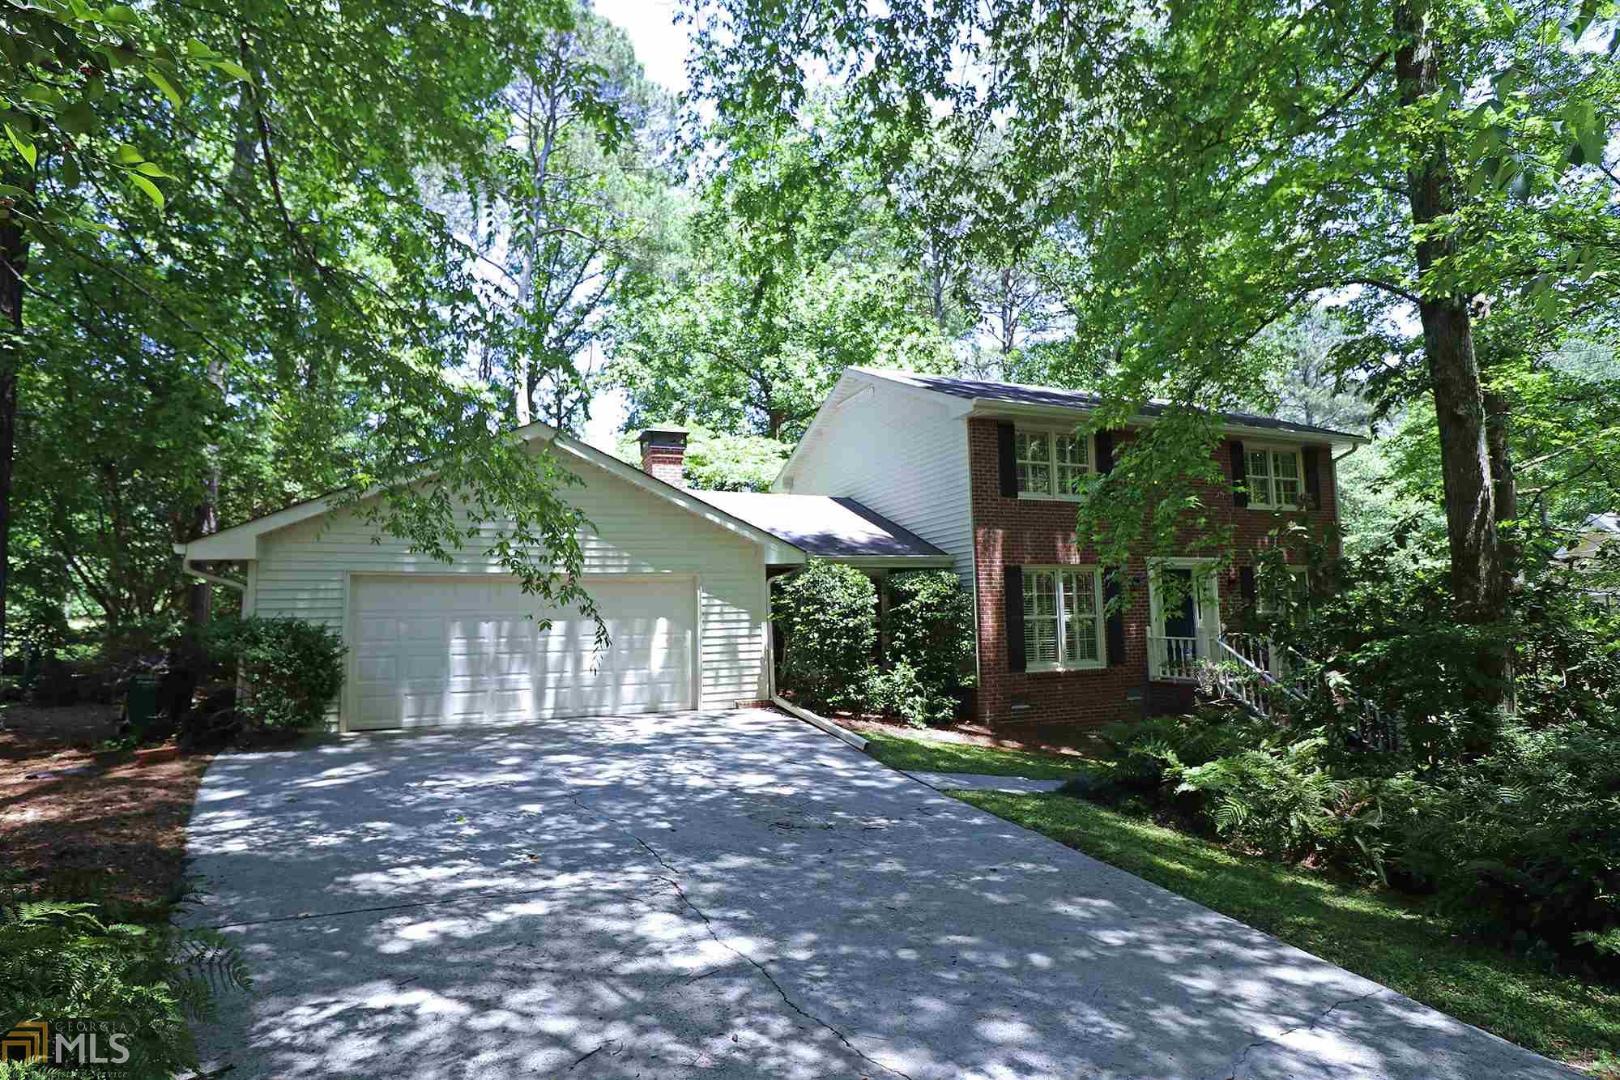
(898, 452)
(305, 570)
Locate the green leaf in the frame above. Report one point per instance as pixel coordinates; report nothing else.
(71, 175)
(153, 192)
(24, 145)
(128, 155)
(152, 168)
(231, 68)
(78, 118)
(166, 86)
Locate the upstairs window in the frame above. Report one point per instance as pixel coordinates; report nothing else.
(1275, 479)
(1052, 464)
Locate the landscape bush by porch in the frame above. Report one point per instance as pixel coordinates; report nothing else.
(290, 670)
(826, 615)
(927, 645)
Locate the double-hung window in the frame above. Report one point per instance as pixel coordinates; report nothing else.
(1053, 464)
(1063, 618)
(1274, 479)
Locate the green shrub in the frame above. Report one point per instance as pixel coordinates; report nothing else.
(899, 690)
(1282, 799)
(64, 961)
(928, 647)
(290, 670)
(826, 615)
(1526, 838)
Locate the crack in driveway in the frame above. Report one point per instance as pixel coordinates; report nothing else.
(673, 881)
(1243, 1055)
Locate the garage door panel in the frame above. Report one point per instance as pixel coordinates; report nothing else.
(436, 651)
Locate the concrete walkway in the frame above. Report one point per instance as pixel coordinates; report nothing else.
(1018, 785)
(733, 895)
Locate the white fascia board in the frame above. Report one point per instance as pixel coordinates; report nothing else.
(993, 408)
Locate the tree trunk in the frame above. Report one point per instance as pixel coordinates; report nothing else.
(1448, 344)
(13, 261)
(1504, 482)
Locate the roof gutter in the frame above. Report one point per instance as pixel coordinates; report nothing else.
(993, 407)
(213, 579)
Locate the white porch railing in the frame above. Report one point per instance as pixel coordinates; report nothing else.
(1176, 659)
(1257, 651)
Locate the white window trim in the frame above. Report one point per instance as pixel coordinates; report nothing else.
(1270, 449)
(1052, 434)
(1058, 570)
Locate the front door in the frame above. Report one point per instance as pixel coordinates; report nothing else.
(1186, 611)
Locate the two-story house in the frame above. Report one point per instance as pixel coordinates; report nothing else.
(896, 471)
(989, 473)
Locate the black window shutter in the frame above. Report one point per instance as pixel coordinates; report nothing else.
(1240, 476)
(1105, 451)
(1113, 620)
(1013, 607)
(1310, 459)
(1007, 463)
(1246, 587)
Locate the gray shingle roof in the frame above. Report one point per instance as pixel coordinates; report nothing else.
(1058, 397)
(824, 525)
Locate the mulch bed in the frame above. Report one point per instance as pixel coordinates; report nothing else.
(83, 824)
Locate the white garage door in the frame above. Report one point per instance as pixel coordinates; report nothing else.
(432, 651)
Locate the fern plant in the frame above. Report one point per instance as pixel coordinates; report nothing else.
(61, 960)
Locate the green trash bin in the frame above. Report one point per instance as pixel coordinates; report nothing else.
(141, 705)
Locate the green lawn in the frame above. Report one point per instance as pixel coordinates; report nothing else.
(1374, 934)
(919, 755)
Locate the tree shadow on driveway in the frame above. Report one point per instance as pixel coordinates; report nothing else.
(732, 894)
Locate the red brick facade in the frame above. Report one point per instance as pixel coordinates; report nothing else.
(1056, 706)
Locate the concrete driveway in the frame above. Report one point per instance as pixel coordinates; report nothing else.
(728, 895)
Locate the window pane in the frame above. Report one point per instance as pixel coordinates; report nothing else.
(1081, 646)
(1034, 456)
(1285, 466)
(1040, 595)
(1073, 463)
(1040, 618)
(1259, 477)
(1040, 641)
(1080, 617)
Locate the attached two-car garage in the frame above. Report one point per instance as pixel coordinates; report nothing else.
(680, 585)
(448, 651)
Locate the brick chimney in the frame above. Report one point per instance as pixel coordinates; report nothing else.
(663, 452)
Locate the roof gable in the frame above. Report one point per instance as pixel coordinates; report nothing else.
(240, 542)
